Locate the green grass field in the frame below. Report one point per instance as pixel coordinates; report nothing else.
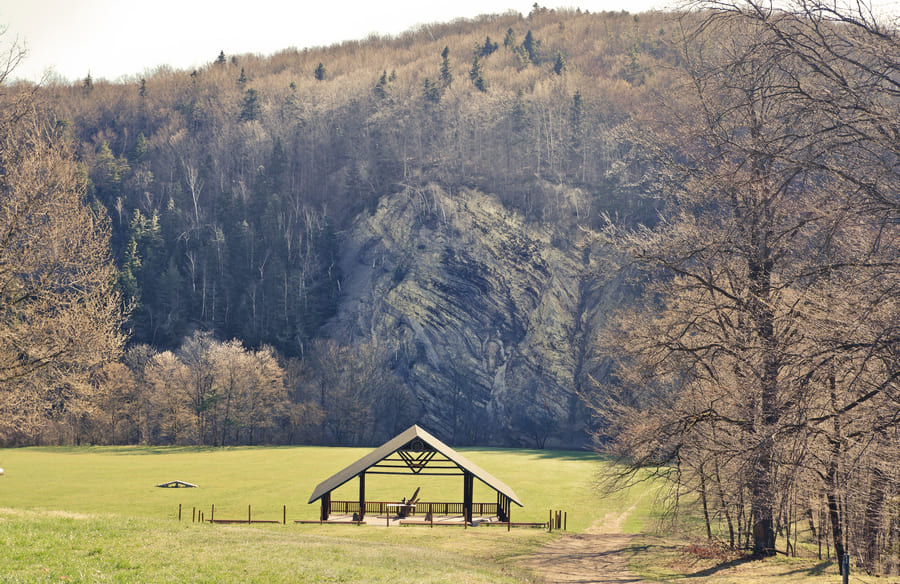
(95, 515)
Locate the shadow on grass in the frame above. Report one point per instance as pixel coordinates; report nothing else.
(816, 570)
(723, 566)
(570, 455)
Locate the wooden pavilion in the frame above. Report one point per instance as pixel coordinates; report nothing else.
(415, 452)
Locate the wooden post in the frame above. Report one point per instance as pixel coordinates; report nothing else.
(212, 513)
(193, 515)
(179, 512)
(326, 506)
(565, 520)
(550, 521)
(248, 515)
(362, 495)
(284, 514)
(468, 487)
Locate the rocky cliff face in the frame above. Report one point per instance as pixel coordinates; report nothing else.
(490, 317)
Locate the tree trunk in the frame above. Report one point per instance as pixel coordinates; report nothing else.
(872, 522)
(833, 498)
(705, 504)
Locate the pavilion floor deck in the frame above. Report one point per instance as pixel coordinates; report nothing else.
(392, 520)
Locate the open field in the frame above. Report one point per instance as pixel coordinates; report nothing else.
(94, 515)
(121, 480)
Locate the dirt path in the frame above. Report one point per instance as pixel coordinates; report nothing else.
(593, 557)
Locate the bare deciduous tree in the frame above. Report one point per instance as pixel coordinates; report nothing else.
(60, 314)
(760, 258)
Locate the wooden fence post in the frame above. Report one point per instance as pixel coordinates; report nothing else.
(193, 515)
(212, 513)
(179, 512)
(249, 521)
(284, 515)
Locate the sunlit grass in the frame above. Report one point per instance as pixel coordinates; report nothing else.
(121, 480)
(47, 546)
(95, 515)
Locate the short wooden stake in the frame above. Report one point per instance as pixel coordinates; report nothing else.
(212, 513)
(565, 520)
(179, 512)
(284, 514)
(248, 515)
(193, 515)
(550, 521)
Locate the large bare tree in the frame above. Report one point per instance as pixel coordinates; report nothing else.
(60, 314)
(759, 331)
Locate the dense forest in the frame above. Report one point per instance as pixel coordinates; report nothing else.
(235, 193)
(229, 187)
(672, 236)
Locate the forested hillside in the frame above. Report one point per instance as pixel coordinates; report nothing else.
(293, 200)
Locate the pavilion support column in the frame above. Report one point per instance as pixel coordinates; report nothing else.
(326, 506)
(502, 506)
(468, 488)
(362, 495)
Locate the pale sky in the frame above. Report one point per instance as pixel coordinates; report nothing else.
(115, 38)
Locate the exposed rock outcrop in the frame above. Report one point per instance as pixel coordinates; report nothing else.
(490, 317)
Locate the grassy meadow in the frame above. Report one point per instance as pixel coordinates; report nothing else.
(95, 515)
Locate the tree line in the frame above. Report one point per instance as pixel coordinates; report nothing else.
(757, 370)
(214, 393)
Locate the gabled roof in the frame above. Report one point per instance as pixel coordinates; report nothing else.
(416, 450)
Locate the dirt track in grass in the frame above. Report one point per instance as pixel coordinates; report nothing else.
(597, 556)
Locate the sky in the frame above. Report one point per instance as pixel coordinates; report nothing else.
(112, 39)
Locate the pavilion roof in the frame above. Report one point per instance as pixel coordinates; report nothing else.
(419, 453)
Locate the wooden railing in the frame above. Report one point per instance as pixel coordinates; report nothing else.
(421, 508)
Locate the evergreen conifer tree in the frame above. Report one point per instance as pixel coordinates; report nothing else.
(509, 41)
(488, 48)
(530, 45)
(446, 71)
(220, 60)
(320, 72)
(476, 74)
(380, 89)
(141, 145)
(559, 66)
(251, 107)
(432, 91)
